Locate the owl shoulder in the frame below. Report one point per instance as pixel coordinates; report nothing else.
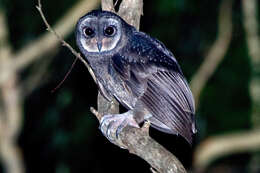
(147, 50)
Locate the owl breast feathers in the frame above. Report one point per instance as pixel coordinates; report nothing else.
(147, 76)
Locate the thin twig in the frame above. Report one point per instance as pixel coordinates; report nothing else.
(96, 113)
(35, 49)
(64, 43)
(65, 77)
(115, 3)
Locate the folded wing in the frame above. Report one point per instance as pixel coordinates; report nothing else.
(152, 74)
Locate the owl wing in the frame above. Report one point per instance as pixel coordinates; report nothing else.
(153, 76)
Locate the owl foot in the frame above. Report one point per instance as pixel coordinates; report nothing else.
(112, 125)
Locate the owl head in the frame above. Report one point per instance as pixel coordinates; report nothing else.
(100, 32)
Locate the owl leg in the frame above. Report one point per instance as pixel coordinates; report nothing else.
(112, 125)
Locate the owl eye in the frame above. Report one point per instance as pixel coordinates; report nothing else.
(109, 31)
(88, 31)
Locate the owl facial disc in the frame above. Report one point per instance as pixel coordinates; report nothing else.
(98, 34)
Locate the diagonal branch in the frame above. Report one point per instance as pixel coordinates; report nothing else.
(216, 53)
(37, 48)
(138, 142)
(64, 43)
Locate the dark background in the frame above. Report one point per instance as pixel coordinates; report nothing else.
(59, 134)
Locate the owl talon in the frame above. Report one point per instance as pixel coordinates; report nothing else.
(112, 125)
(120, 128)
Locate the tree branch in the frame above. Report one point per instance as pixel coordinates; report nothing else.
(10, 115)
(138, 142)
(132, 17)
(251, 29)
(219, 146)
(60, 39)
(107, 5)
(216, 53)
(36, 49)
(253, 43)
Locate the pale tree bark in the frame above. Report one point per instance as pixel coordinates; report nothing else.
(10, 115)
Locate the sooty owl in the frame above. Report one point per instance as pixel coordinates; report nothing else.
(140, 72)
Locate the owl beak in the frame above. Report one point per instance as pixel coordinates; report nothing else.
(99, 45)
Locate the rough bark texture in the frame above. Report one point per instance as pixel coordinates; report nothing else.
(133, 15)
(138, 141)
(141, 144)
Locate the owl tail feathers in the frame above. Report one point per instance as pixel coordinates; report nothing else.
(193, 128)
(188, 136)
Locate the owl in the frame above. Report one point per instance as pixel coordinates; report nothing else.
(139, 72)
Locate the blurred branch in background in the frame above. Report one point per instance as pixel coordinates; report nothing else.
(11, 108)
(11, 89)
(246, 141)
(219, 146)
(216, 53)
(36, 49)
(253, 43)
